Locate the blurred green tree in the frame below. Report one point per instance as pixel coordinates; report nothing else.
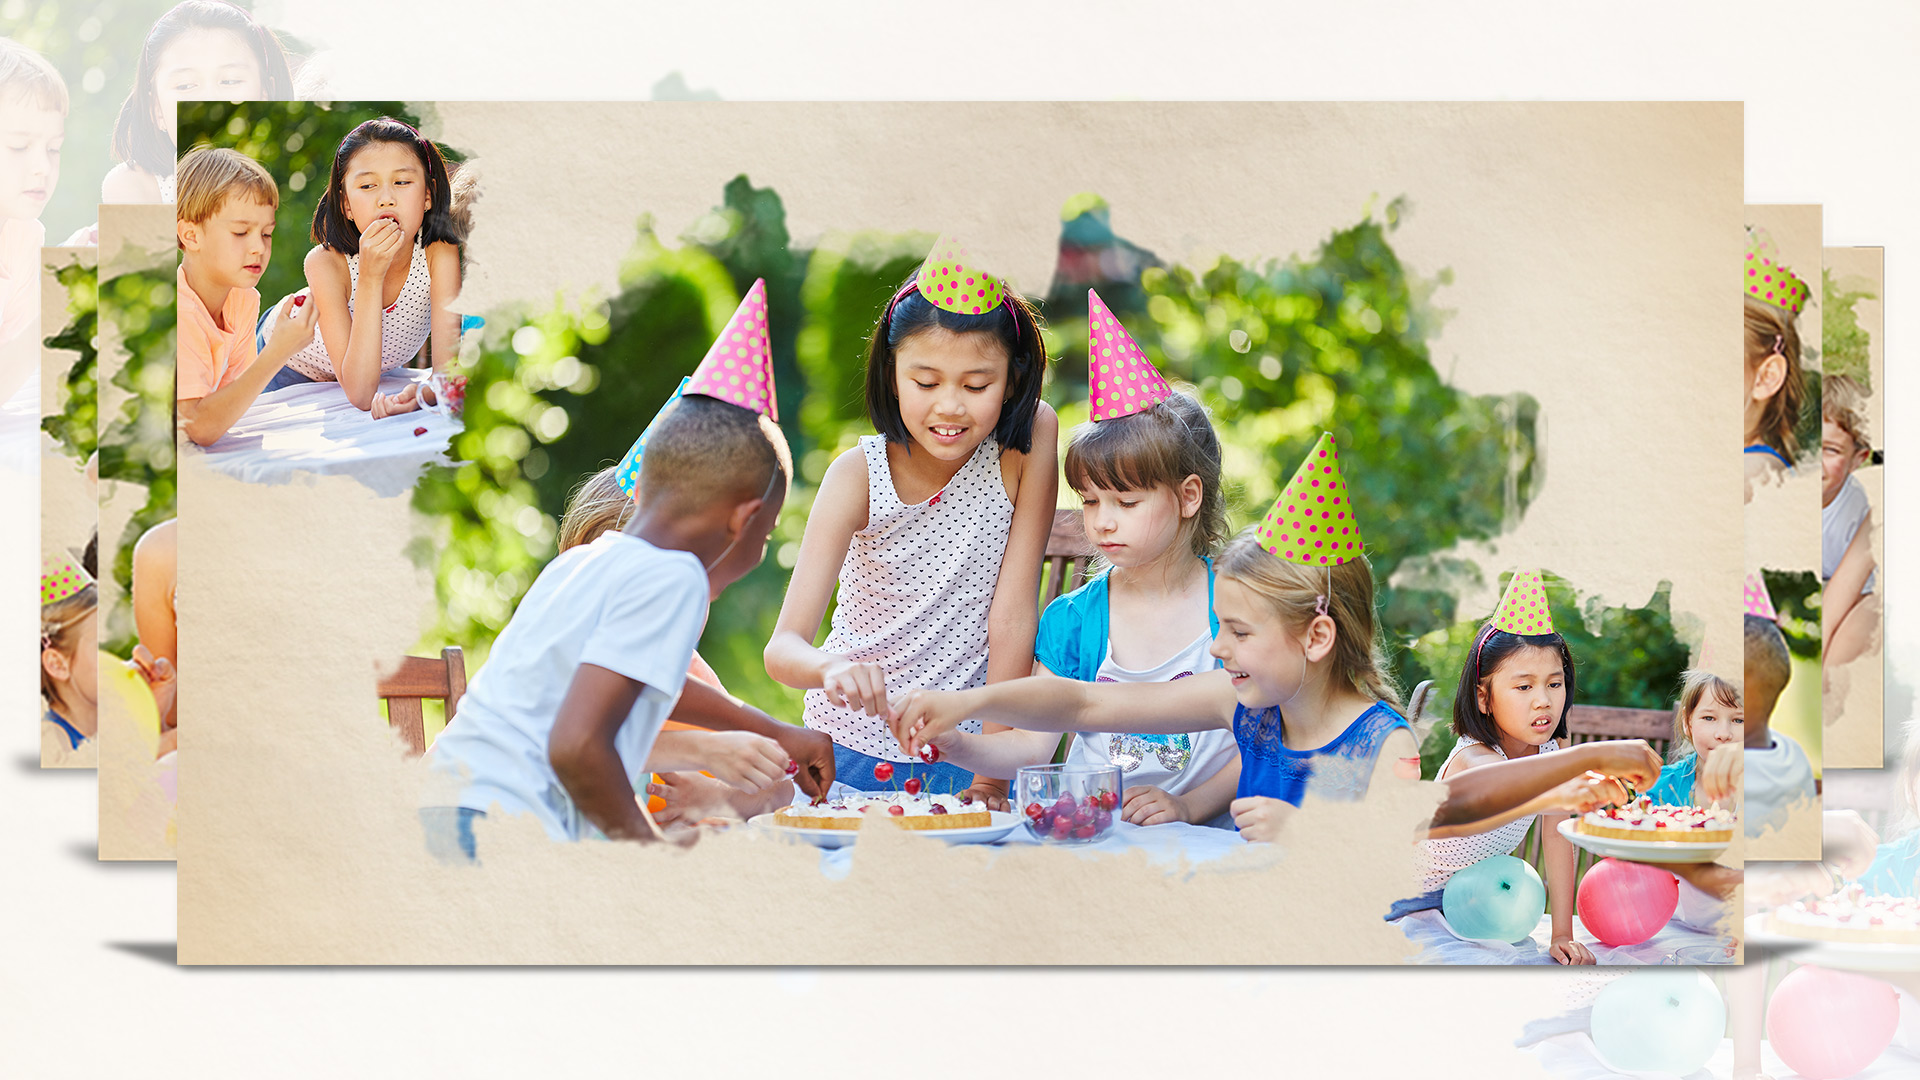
(75, 427)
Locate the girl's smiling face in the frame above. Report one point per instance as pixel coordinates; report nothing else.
(30, 139)
(203, 65)
(951, 389)
(385, 180)
(1715, 723)
(1268, 664)
(1133, 528)
(1526, 694)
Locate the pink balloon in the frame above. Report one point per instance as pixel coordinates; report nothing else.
(1830, 1024)
(1625, 903)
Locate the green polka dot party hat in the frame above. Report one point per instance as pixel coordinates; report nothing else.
(1312, 521)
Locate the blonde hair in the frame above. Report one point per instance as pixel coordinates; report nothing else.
(26, 76)
(1294, 592)
(596, 506)
(1694, 685)
(60, 630)
(1769, 330)
(1843, 405)
(210, 175)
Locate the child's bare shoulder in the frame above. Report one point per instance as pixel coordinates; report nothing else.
(443, 255)
(326, 262)
(125, 183)
(842, 498)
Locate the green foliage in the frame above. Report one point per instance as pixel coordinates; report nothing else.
(1841, 335)
(75, 427)
(136, 444)
(1796, 596)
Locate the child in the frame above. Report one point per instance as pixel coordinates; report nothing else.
(1147, 469)
(387, 211)
(1294, 599)
(1772, 387)
(935, 527)
(1850, 612)
(1778, 774)
(1516, 688)
(69, 651)
(201, 50)
(1895, 870)
(225, 223)
(33, 120)
(1709, 725)
(565, 714)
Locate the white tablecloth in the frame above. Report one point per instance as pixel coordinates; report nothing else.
(1438, 944)
(313, 428)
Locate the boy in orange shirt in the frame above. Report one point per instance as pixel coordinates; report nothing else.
(225, 211)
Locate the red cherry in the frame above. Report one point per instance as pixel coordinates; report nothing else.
(966, 799)
(1084, 832)
(883, 772)
(912, 785)
(299, 300)
(1083, 815)
(930, 754)
(792, 767)
(1064, 804)
(937, 809)
(864, 809)
(1035, 810)
(1109, 800)
(419, 431)
(896, 810)
(1062, 826)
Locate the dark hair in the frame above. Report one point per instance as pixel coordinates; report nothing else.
(1491, 649)
(331, 226)
(1159, 446)
(137, 140)
(1768, 667)
(90, 558)
(703, 449)
(1014, 324)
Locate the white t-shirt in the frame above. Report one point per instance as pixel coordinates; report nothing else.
(618, 603)
(1778, 776)
(1173, 763)
(1839, 520)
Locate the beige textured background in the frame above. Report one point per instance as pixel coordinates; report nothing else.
(1857, 736)
(1587, 274)
(67, 511)
(134, 817)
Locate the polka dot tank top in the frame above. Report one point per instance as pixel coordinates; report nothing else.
(403, 327)
(1441, 859)
(915, 590)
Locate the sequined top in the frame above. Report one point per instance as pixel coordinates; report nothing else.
(1341, 770)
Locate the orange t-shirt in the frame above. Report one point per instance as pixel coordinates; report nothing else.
(210, 357)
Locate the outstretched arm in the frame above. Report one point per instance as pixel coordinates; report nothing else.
(1049, 703)
(706, 706)
(1489, 796)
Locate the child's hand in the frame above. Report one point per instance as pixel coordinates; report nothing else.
(1847, 842)
(385, 405)
(1720, 771)
(691, 798)
(1588, 792)
(994, 798)
(745, 761)
(923, 718)
(293, 328)
(1259, 818)
(1153, 806)
(812, 751)
(1631, 760)
(856, 686)
(1568, 951)
(161, 679)
(379, 245)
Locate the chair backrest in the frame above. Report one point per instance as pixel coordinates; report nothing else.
(1068, 553)
(416, 678)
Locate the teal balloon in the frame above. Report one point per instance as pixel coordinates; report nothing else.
(1496, 899)
(1667, 1020)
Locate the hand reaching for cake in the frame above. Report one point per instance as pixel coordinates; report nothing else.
(923, 718)
(1588, 791)
(1720, 772)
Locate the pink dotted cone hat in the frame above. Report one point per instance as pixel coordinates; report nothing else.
(1121, 380)
(61, 576)
(738, 369)
(1757, 600)
(1523, 608)
(950, 280)
(1312, 521)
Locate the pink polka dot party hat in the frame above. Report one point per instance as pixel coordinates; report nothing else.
(1312, 521)
(951, 281)
(738, 369)
(1757, 601)
(1523, 607)
(1121, 380)
(61, 576)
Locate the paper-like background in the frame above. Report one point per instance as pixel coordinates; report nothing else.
(1647, 195)
(67, 508)
(1856, 738)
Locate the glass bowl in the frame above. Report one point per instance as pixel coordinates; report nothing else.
(1068, 804)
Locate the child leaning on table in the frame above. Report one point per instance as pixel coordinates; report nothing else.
(565, 714)
(1709, 726)
(224, 218)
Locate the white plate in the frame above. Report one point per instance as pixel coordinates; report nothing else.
(1653, 851)
(1003, 823)
(1843, 955)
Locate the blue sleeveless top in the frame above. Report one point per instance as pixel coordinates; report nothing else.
(1340, 770)
(1762, 448)
(1896, 866)
(1675, 786)
(74, 738)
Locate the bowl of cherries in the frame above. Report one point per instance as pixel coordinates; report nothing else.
(1068, 804)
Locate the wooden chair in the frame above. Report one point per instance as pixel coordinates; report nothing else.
(1068, 554)
(418, 677)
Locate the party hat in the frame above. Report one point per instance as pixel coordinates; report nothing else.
(1312, 521)
(1523, 608)
(1121, 380)
(1768, 278)
(628, 474)
(951, 281)
(1757, 600)
(738, 369)
(61, 576)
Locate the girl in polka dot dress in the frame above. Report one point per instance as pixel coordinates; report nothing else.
(934, 528)
(385, 267)
(1302, 685)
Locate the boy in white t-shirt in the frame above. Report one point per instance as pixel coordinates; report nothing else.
(1778, 774)
(566, 715)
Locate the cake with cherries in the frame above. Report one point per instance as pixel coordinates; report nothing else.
(1850, 915)
(910, 811)
(1642, 820)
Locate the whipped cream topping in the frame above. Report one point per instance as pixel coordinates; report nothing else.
(1851, 908)
(1643, 815)
(877, 803)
